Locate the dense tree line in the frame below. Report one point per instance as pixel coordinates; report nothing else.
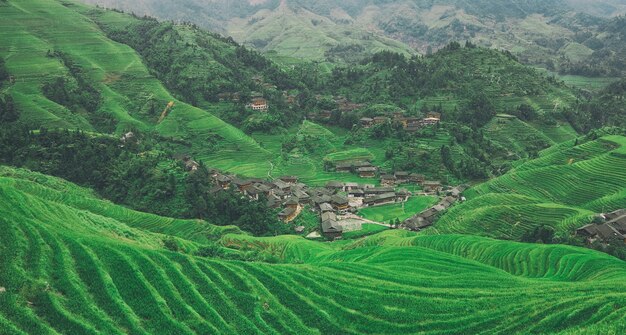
(132, 173)
(8, 111)
(228, 207)
(197, 65)
(468, 73)
(605, 109)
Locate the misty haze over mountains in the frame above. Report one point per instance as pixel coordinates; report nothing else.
(561, 35)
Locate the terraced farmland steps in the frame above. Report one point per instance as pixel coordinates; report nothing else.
(78, 267)
(563, 188)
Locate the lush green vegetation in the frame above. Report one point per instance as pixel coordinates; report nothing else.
(75, 264)
(401, 211)
(137, 173)
(367, 230)
(564, 188)
(61, 61)
(604, 109)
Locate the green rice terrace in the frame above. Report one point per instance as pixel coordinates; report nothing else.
(287, 192)
(74, 264)
(565, 187)
(30, 30)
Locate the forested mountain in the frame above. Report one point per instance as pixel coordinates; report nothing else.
(560, 35)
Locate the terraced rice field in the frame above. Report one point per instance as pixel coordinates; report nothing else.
(564, 188)
(66, 269)
(29, 29)
(400, 211)
(309, 166)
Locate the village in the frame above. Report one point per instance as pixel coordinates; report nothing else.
(610, 227)
(337, 203)
(258, 103)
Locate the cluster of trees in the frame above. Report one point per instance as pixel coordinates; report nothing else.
(388, 77)
(182, 64)
(227, 207)
(133, 174)
(99, 162)
(74, 91)
(605, 109)
(8, 111)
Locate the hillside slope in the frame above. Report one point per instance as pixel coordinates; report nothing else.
(563, 188)
(560, 35)
(51, 49)
(68, 268)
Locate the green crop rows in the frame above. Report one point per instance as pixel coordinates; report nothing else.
(74, 264)
(563, 188)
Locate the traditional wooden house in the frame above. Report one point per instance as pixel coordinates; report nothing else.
(402, 195)
(416, 223)
(430, 121)
(387, 180)
(356, 193)
(429, 215)
(216, 189)
(360, 164)
(405, 121)
(263, 188)
(367, 172)
(320, 199)
(619, 223)
(413, 127)
(252, 192)
(382, 199)
(335, 186)
(241, 184)
(191, 165)
(280, 194)
(326, 207)
(302, 195)
(331, 229)
(324, 115)
(374, 191)
(223, 181)
(431, 186)
(259, 104)
(292, 202)
(343, 167)
(339, 202)
(281, 185)
(366, 122)
(417, 178)
(401, 176)
(287, 214)
(615, 214)
(380, 120)
(350, 186)
(448, 201)
(273, 201)
(608, 233)
(289, 179)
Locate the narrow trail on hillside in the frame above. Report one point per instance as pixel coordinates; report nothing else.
(269, 172)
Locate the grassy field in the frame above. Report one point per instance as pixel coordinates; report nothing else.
(73, 264)
(397, 211)
(562, 188)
